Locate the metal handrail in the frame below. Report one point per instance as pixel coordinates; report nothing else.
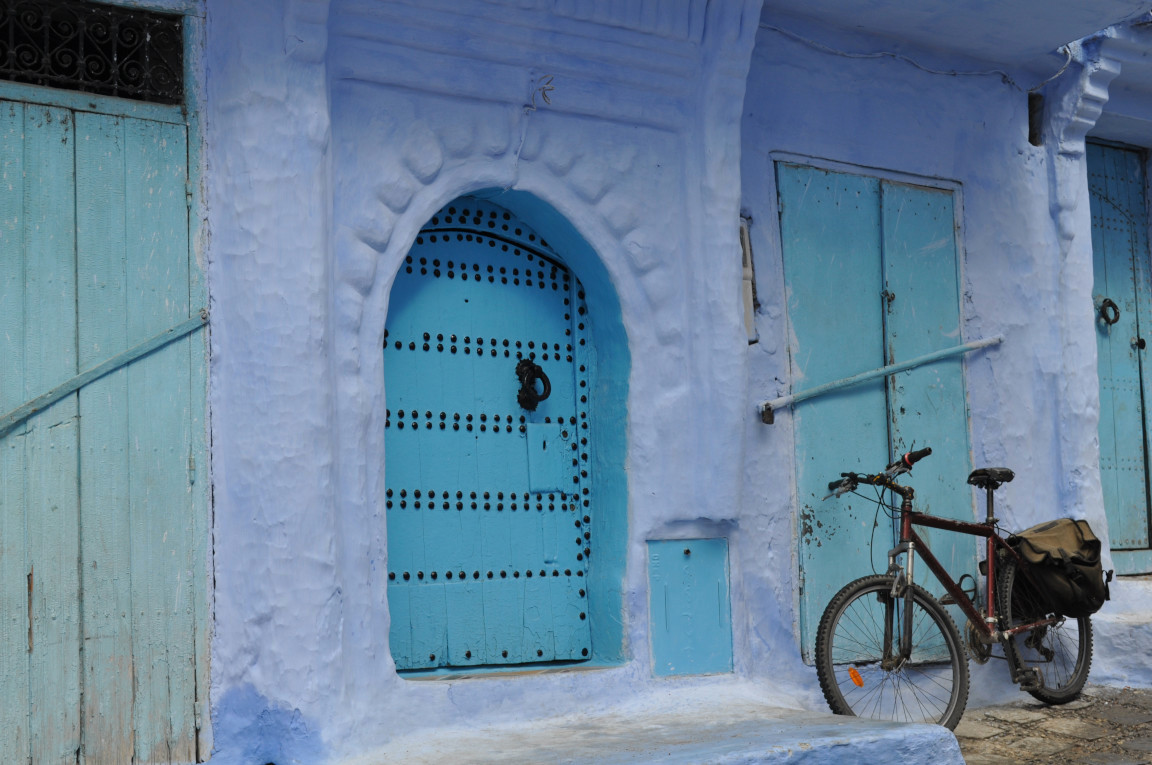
(768, 408)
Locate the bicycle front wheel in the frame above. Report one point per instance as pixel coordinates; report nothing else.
(859, 668)
(1061, 652)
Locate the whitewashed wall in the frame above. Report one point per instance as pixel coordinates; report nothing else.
(334, 130)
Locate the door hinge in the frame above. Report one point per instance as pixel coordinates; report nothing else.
(191, 469)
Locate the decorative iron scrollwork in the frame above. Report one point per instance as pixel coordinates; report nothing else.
(102, 49)
(528, 373)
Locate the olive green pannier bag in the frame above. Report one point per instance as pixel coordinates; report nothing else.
(1066, 564)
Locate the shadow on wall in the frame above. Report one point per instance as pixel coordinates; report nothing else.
(250, 729)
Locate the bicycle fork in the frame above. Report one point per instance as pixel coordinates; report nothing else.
(901, 589)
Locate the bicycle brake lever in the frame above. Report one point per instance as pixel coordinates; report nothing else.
(846, 484)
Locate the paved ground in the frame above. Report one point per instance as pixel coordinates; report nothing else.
(1105, 726)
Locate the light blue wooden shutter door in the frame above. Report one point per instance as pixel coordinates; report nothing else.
(871, 274)
(41, 605)
(101, 515)
(1120, 273)
(927, 404)
(487, 540)
(831, 240)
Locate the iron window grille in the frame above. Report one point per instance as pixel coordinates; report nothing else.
(92, 48)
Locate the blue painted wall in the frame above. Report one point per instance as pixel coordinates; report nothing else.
(335, 130)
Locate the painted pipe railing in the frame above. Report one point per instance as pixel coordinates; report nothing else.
(768, 408)
(41, 402)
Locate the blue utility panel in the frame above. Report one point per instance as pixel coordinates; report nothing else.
(690, 612)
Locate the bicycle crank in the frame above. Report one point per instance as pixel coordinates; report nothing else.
(979, 646)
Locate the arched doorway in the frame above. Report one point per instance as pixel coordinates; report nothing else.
(487, 368)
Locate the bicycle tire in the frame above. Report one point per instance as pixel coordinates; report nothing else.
(932, 687)
(1062, 652)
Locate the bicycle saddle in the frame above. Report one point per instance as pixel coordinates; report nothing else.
(990, 477)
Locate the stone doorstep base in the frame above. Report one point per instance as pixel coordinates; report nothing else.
(737, 734)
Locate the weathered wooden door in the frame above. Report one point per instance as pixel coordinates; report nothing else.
(1122, 292)
(103, 502)
(488, 532)
(871, 272)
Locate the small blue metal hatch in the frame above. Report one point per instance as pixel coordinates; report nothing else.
(690, 611)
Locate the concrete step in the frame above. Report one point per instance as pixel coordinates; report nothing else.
(730, 733)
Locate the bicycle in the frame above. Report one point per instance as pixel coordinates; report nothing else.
(887, 649)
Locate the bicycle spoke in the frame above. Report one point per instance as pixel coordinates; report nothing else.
(924, 687)
(1061, 652)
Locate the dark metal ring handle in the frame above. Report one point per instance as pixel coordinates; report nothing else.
(1109, 312)
(528, 373)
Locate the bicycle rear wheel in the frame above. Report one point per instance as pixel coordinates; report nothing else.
(1061, 652)
(931, 686)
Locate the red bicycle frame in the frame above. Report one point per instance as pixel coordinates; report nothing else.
(910, 542)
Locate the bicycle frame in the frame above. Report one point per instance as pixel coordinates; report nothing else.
(911, 542)
(885, 647)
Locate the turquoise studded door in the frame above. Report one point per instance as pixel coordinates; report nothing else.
(872, 278)
(1122, 293)
(486, 447)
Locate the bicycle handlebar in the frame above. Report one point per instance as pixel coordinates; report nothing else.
(911, 458)
(849, 481)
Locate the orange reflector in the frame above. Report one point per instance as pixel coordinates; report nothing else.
(852, 673)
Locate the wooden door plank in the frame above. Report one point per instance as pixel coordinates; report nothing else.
(928, 405)
(830, 226)
(52, 497)
(105, 532)
(13, 391)
(159, 393)
(1131, 164)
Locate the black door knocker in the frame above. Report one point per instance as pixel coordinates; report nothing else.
(1109, 312)
(529, 372)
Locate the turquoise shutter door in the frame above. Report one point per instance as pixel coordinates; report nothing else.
(102, 576)
(870, 268)
(39, 517)
(487, 538)
(928, 405)
(1121, 274)
(830, 224)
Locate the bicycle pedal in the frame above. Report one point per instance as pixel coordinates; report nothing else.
(1029, 679)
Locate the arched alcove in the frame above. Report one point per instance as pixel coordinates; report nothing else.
(505, 374)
